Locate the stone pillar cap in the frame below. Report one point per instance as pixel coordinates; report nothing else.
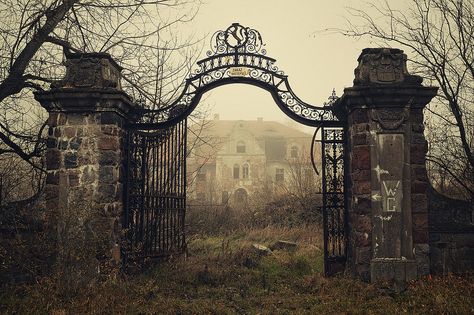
(96, 55)
(90, 70)
(382, 66)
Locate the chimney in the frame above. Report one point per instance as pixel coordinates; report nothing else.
(216, 116)
(260, 119)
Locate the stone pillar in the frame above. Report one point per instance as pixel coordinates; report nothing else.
(388, 214)
(87, 113)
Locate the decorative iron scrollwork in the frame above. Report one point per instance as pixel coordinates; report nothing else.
(238, 55)
(237, 39)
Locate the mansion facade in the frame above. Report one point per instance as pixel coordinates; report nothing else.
(229, 160)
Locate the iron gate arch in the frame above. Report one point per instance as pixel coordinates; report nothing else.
(237, 55)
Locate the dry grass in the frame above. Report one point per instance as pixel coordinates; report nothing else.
(223, 275)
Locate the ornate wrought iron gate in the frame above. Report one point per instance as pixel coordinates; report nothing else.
(334, 200)
(155, 188)
(155, 191)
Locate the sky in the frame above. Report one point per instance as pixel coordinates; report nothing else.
(316, 61)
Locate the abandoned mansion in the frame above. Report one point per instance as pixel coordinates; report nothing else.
(229, 160)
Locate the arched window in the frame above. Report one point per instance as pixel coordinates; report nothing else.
(240, 196)
(245, 171)
(294, 151)
(236, 171)
(240, 147)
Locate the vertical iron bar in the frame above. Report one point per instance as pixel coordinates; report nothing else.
(325, 201)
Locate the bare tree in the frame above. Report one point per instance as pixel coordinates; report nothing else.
(35, 35)
(439, 37)
(302, 183)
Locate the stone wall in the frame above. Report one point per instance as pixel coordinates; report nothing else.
(451, 234)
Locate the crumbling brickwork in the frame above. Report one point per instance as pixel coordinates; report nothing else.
(388, 214)
(84, 161)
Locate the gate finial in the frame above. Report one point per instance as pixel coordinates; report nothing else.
(237, 39)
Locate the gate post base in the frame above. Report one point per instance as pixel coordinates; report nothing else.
(393, 269)
(87, 111)
(387, 179)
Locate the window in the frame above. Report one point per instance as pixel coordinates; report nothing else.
(236, 171)
(279, 175)
(240, 147)
(245, 171)
(294, 152)
(241, 196)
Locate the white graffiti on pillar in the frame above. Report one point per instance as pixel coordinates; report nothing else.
(391, 195)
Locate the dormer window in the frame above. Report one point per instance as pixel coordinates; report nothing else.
(240, 147)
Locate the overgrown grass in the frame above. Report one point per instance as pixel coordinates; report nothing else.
(224, 275)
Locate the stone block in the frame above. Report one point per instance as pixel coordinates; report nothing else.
(434, 237)
(108, 143)
(422, 250)
(418, 127)
(420, 236)
(118, 191)
(89, 175)
(363, 271)
(75, 143)
(53, 159)
(418, 187)
(109, 130)
(363, 255)
(57, 132)
(360, 175)
(69, 131)
(106, 193)
(392, 269)
(362, 188)
(360, 158)
(51, 143)
(62, 119)
(75, 119)
(359, 128)
(113, 209)
(359, 116)
(52, 178)
(362, 204)
(418, 173)
(87, 158)
(63, 145)
(419, 203)
(419, 138)
(51, 192)
(73, 178)
(109, 158)
(420, 220)
(422, 258)
(70, 160)
(360, 139)
(110, 118)
(361, 223)
(362, 239)
(418, 153)
(53, 119)
(107, 174)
